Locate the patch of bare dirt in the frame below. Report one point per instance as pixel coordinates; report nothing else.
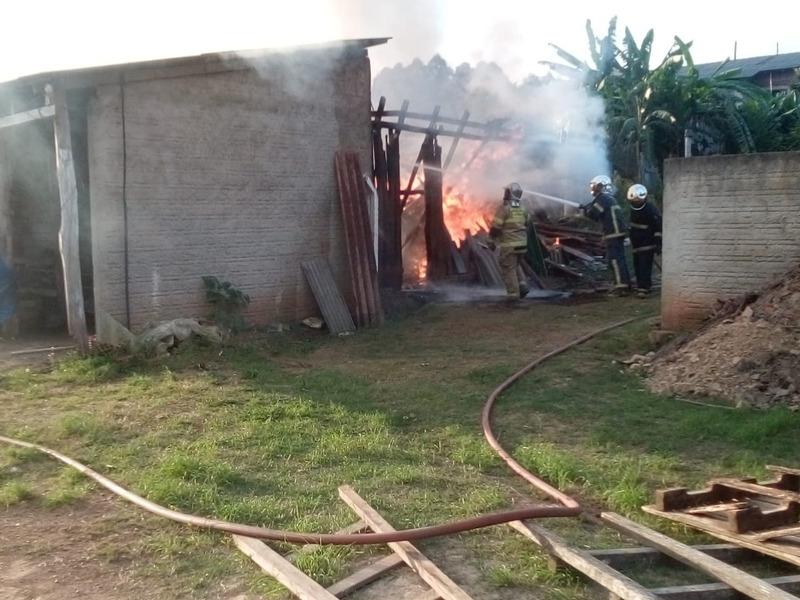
(80, 551)
(33, 351)
(458, 561)
(749, 355)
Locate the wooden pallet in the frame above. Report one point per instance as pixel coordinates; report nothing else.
(761, 516)
(601, 566)
(604, 567)
(305, 588)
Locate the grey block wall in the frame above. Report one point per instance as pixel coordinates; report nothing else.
(227, 174)
(731, 225)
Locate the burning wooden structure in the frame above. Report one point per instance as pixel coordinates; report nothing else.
(443, 259)
(451, 252)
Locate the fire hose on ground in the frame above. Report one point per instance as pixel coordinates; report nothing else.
(567, 507)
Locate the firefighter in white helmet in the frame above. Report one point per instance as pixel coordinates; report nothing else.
(645, 237)
(604, 208)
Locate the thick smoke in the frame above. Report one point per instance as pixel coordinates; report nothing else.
(561, 139)
(415, 26)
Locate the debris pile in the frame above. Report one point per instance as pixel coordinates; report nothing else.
(748, 354)
(157, 339)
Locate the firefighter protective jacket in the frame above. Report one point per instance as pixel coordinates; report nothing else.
(605, 209)
(510, 226)
(645, 227)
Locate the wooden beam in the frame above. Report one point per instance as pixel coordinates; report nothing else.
(418, 162)
(563, 268)
(780, 551)
(365, 576)
(45, 112)
(272, 563)
(618, 584)
(783, 470)
(41, 350)
(394, 207)
(769, 534)
(624, 558)
(755, 489)
(69, 231)
(415, 559)
(720, 591)
(401, 117)
(500, 137)
(437, 238)
(736, 578)
(451, 152)
(448, 120)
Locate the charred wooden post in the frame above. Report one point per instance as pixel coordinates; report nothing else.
(437, 238)
(393, 264)
(420, 157)
(385, 214)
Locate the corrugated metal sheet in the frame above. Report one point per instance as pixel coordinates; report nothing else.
(749, 67)
(329, 298)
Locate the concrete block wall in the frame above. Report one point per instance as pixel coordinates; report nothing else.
(228, 174)
(731, 225)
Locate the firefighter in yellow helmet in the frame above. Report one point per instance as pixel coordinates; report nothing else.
(509, 231)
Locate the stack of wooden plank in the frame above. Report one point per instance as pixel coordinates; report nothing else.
(367, 306)
(583, 240)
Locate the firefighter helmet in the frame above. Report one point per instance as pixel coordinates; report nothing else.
(637, 193)
(600, 183)
(515, 190)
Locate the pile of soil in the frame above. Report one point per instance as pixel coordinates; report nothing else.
(748, 354)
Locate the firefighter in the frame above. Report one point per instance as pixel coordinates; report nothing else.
(509, 231)
(604, 208)
(645, 237)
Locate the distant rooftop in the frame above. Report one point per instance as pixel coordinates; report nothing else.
(750, 67)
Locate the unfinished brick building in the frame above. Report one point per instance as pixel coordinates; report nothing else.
(219, 164)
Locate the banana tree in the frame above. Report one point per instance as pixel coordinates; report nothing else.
(604, 54)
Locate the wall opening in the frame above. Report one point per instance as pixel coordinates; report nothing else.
(33, 213)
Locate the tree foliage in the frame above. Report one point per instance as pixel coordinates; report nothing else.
(650, 111)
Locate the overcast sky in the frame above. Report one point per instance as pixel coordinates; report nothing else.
(58, 34)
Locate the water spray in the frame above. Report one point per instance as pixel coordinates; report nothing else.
(553, 198)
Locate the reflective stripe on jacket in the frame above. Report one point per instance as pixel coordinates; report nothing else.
(511, 221)
(606, 210)
(645, 227)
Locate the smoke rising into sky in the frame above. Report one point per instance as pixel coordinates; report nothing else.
(561, 142)
(513, 33)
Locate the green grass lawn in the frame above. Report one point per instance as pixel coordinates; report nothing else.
(265, 431)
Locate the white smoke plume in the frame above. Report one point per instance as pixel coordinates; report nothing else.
(562, 138)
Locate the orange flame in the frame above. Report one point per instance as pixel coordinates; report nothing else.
(557, 242)
(422, 268)
(467, 208)
(463, 214)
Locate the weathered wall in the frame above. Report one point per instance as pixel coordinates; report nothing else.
(227, 174)
(31, 212)
(731, 224)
